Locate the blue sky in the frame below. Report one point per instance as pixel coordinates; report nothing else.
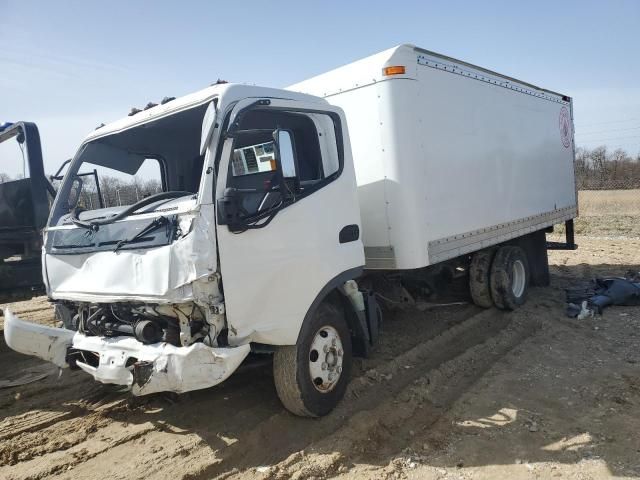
(71, 65)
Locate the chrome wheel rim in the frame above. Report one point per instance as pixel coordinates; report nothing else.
(518, 278)
(325, 359)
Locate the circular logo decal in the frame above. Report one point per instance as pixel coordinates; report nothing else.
(565, 127)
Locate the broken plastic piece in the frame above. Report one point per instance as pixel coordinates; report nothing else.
(47, 343)
(146, 369)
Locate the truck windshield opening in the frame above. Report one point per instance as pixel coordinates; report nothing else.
(120, 170)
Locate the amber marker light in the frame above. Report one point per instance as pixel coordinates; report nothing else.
(395, 70)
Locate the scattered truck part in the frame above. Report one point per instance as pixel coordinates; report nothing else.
(285, 210)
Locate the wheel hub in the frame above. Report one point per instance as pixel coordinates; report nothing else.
(325, 359)
(519, 278)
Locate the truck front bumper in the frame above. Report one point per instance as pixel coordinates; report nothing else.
(145, 369)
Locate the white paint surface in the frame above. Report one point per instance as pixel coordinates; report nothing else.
(440, 153)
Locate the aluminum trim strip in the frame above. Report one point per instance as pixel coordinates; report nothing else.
(498, 81)
(456, 245)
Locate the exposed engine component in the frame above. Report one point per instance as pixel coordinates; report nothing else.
(179, 325)
(148, 331)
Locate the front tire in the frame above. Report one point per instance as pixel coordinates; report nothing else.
(312, 376)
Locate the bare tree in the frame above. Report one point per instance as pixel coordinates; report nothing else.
(598, 169)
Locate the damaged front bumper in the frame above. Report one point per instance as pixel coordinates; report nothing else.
(145, 369)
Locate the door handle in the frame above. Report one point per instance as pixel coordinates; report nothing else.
(349, 233)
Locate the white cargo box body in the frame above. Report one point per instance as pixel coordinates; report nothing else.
(449, 157)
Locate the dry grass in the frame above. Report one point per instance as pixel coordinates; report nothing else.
(609, 202)
(606, 213)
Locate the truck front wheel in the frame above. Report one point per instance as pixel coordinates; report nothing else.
(509, 277)
(311, 377)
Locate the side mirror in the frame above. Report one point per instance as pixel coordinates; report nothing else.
(286, 160)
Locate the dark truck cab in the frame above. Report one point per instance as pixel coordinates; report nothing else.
(24, 209)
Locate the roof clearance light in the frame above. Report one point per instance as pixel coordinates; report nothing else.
(395, 70)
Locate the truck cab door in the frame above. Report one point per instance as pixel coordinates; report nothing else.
(288, 220)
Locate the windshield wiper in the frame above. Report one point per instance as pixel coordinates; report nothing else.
(154, 225)
(95, 224)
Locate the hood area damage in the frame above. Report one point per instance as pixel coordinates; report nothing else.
(133, 273)
(177, 271)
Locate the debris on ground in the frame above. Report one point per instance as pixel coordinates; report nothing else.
(583, 302)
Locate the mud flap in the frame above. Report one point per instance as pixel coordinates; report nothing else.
(365, 325)
(374, 316)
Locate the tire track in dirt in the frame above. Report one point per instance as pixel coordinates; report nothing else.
(376, 387)
(172, 443)
(114, 433)
(45, 432)
(367, 430)
(42, 433)
(29, 422)
(39, 432)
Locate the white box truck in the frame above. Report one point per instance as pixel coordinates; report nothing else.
(277, 212)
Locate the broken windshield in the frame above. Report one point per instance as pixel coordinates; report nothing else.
(119, 170)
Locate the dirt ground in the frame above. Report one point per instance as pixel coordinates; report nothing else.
(454, 392)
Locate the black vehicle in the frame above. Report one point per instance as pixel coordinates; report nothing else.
(24, 208)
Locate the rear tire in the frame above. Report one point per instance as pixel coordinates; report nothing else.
(479, 273)
(312, 376)
(509, 277)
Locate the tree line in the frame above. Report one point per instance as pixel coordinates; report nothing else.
(117, 191)
(602, 169)
(114, 191)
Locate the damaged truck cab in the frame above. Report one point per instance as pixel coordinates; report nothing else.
(250, 239)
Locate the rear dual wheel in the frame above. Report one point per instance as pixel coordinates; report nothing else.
(479, 273)
(499, 277)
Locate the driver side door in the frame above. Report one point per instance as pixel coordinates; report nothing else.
(273, 270)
